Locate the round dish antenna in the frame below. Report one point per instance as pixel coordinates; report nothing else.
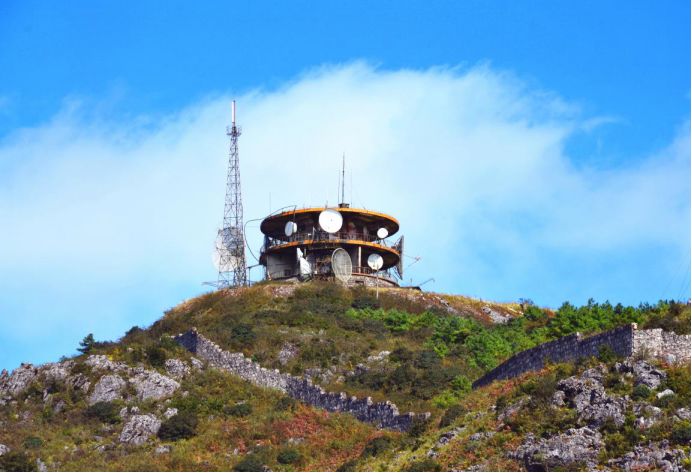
(330, 220)
(290, 228)
(222, 257)
(375, 262)
(382, 233)
(341, 265)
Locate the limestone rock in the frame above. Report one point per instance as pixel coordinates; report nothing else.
(161, 449)
(509, 411)
(177, 369)
(642, 371)
(40, 465)
(587, 395)
(101, 362)
(107, 389)
(153, 385)
(683, 413)
(57, 371)
(4, 449)
(576, 446)
(170, 412)
(139, 428)
(79, 382)
(665, 393)
(196, 364)
(19, 380)
(654, 456)
(494, 315)
(287, 353)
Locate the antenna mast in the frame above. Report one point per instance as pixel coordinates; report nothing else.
(343, 180)
(232, 269)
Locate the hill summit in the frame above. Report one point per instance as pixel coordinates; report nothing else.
(316, 376)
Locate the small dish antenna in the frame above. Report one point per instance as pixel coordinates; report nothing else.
(341, 265)
(375, 262)
(290, 228)
(303, 264)
(382, 233)
(330, 220)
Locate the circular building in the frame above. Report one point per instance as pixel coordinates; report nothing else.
(304, 244)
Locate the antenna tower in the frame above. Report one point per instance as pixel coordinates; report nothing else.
(232, 269)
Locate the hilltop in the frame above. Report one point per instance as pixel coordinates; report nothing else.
(144, 402)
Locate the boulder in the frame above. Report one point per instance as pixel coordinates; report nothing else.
(107, 389)
(4, 449)
(586, 394)
(153, 385)
(161, 449)
(170, 412)
(177, 369)
(139, 428)
(654, 456)
(643, 372)
(664, 393)
(572, 448)
(287, 353)
(57, 371)
(101, 362)
(19, 380)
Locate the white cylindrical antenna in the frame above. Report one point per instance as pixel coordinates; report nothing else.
(233, 113)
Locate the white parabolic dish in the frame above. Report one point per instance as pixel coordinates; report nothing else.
(382, 233)
(375, 262)
(330, 220)
(341, 265)
(290, 228)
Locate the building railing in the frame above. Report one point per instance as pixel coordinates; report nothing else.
(357, 270)
(319, 235)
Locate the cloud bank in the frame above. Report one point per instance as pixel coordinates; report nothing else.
(106, 222)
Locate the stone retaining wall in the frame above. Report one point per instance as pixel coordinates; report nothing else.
(383, 414)
(625, 341)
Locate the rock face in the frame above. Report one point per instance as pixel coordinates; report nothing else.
(101, 362)
(152, 385)
(654, 456)
(574, 447)
(107, 389)
(177, 369)
(19, 380)
(587, 395)
(139, 428)
(287, 353)
(642, 371)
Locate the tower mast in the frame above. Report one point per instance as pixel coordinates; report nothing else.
(232, 268)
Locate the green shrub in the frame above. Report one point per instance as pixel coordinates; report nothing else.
(288, 456)
(243, 335)
(350, 465)
(365, 301)
(32, 442)
(181, 426)
(451, 414)
(249, 463)
(238, 410)
(376, 446)
(606, 354)
(641, 391)
(16, 461)
(681, 433)
(104, 411)
(418, 426)
(427, 464)
(285, 403)
(156, 355)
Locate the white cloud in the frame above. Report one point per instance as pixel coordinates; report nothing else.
(471, 162)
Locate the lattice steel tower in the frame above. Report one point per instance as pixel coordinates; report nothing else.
(231, 240)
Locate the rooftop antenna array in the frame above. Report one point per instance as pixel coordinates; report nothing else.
(230, 242)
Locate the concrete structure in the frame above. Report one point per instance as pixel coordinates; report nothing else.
(357, 235)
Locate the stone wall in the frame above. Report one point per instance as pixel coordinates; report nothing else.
(383, 414)
(625, 341)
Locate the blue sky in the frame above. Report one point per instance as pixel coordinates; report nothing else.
(547, 143)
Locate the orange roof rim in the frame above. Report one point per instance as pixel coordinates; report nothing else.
(288, 213)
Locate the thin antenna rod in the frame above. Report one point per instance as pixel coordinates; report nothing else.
(343, 180)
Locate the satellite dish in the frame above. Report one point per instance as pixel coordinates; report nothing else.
(341, 265)
(382, 233)
(375, 262)
(303, 264)
(399, 247)
(290, 228)
(330, 220)
(222, 257)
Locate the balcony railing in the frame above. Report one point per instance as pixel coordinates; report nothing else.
(318, 235)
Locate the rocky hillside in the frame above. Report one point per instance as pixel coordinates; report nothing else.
(145, 402)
